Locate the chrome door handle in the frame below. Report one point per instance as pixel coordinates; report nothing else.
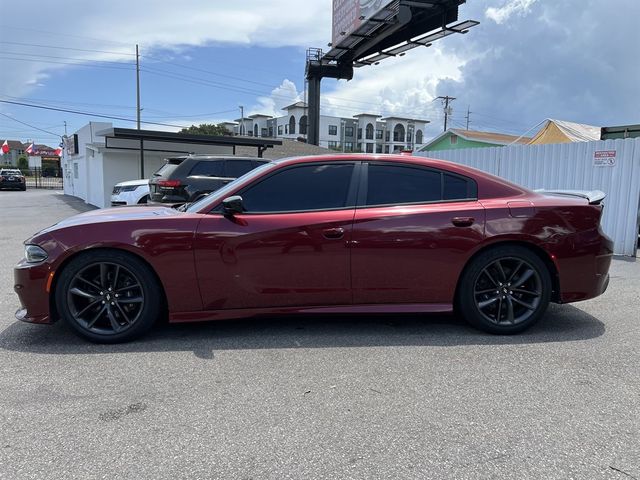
(333, 233)
(463, 221)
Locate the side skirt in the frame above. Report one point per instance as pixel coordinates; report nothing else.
(181, 317)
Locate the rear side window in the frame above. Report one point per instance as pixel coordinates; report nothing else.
(237, 168)
(458, 188)
(168, 168)
(207, 169)
(309, 187)
(390, 184)
(399, 184)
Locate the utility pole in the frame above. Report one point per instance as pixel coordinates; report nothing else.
(65, 128)
(467, 117)
(138, 86)
(138, 110)
(447, 110)
(241, 119)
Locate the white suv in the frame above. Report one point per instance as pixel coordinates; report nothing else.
(132, 192)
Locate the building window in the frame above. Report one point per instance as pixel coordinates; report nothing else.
(264, 132)
(398, 133)
(286, 129)
(379, 148)
(359, 133)
(333, 145)
(386, 148)
(419, 137)
(369, 132)
(359, 147)
(348, 131)
(279, 129)
(348, 146)
(333, 129)
(369, 147)
(379, 134)
(75, 171)
(292, 125)
(255, 130)
(454, 139)
(271, 131)
(386, 136)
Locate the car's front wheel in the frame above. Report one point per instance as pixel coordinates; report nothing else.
(505, 290)
(108, 296)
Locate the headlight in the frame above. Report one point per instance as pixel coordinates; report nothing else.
(129, 188)
(34, 254)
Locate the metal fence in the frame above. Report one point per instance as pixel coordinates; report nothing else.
(612, 166)
(43, 177)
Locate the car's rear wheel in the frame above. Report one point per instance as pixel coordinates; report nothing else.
(108, 296)
(505, 290)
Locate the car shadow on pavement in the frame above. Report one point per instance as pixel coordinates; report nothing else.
(562, 323)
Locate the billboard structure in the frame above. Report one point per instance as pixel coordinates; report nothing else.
(366, 32)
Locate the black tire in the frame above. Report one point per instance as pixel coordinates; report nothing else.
(504, 290)
(24, 189)
(108, 296)
(143, 200)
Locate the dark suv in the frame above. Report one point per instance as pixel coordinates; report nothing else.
(187, 179)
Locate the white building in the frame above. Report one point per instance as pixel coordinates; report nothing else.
(365, 132)
(97, 156)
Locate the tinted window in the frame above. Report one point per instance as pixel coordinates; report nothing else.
(168, 168)
(310, 187)
(237, 168)
(207, 169)
(391, 184)
(458, 188)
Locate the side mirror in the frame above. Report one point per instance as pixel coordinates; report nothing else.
(232, 205)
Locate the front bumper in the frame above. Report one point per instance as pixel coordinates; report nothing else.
(30, 283)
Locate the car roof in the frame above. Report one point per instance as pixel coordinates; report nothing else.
(222, 157)
(505, 187)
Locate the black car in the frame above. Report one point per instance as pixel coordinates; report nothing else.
(187, 179)
(12, 178)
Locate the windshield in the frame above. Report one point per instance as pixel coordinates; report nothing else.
(216, 196)
(10, 172)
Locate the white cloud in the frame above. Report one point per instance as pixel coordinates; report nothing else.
(281, 96)
(511, 7)
(153, 24)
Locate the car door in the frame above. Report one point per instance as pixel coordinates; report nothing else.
(290, 246)
(413, 231)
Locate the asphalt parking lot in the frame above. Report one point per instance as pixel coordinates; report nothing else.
(319, 398)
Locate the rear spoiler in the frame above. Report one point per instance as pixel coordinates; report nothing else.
(594, 197)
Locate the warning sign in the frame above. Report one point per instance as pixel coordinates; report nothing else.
(604, 158)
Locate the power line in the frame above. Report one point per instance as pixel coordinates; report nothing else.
(90, 114)
(39, 30)
(29, 125)
(66, 48)
(78, 64)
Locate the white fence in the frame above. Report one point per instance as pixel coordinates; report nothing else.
(612, 166)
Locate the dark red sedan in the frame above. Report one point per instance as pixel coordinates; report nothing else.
(326, 234)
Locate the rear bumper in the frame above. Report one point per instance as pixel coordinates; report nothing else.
(30, 283)
(585, 273)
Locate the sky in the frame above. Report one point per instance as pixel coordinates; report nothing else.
(528, 60)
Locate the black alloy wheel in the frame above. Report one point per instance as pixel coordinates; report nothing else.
(505, 290)
(108, 296)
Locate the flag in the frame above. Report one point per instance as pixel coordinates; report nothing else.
(5, 147)
(30, 149)
(58, 152)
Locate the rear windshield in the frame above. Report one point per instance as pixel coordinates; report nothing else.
(168, 168)
(10, 172)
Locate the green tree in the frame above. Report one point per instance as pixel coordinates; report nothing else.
(207, 129)
(23, 163)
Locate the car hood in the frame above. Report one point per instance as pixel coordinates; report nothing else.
(120, 214)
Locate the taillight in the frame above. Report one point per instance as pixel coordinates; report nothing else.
(169, 183)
